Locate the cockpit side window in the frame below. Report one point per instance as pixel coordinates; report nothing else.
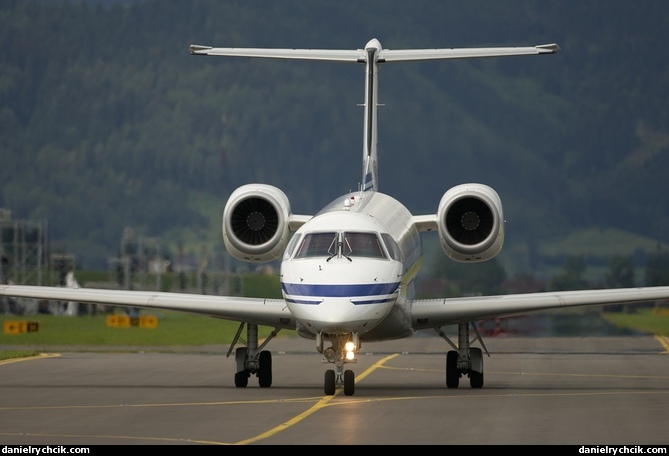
(318, 244)
(392, 247)
(291, 245)
(362, 245)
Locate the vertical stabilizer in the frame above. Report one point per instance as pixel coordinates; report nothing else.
(370, 175)
(373, 55)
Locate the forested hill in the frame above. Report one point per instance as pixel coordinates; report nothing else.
(106, 120)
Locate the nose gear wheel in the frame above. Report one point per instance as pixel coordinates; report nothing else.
(339, 377)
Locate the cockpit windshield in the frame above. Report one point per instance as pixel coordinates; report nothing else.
(318, 244)
(347, 244)
(363, 245)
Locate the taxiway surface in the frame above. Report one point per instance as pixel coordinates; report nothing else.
(584, 391)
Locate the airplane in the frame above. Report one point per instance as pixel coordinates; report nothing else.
(348, 272)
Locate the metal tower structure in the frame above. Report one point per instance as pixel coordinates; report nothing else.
(22, 250)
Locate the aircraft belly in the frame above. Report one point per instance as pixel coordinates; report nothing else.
(396, 325)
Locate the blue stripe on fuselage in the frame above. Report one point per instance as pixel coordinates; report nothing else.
(355, 302)
(340, 291)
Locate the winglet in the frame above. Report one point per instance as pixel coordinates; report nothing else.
(197, 49)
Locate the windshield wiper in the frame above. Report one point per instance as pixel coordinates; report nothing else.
(340, 248)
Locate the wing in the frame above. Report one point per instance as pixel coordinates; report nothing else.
(433, 313)
(266, 312)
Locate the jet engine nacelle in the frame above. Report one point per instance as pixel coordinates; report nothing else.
(256, 223)
(471, 223)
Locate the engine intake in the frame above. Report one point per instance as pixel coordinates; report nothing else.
(256, 223)
(471, 223)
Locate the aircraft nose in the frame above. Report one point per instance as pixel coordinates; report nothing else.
(344, 315)
(336, 310)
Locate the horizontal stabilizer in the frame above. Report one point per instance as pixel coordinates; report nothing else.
(333, 55)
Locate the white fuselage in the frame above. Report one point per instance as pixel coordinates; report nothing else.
(341, 288)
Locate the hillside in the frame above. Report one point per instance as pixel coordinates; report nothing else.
(106, 121)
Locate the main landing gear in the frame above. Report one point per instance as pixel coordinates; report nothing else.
(252, 359)
(464, 360)
(344, 350)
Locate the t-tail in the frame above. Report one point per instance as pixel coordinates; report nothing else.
(372, 56)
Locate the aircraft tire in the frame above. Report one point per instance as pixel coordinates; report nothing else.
(476, 379)
(349, 383)
(476, 376)
(241, 379)
(329, 382)
(452, 374)
(265, 369)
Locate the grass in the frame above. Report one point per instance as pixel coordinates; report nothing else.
(172, 329)
(175, 329)
(600, 242)
(13, 354)
(650, 321)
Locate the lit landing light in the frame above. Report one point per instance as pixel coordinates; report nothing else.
(350, 351)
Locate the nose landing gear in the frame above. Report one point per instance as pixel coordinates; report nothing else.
(344, 350)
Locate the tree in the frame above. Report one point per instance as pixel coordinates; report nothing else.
(484, 278)
(620, 275)
(572, 277)
(657, 268)
(621, 272)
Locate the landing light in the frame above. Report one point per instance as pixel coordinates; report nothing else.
(350, 351)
